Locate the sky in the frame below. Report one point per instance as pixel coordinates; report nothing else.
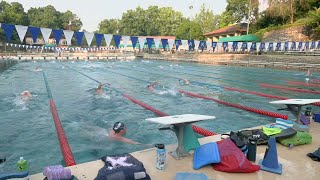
(91, 12)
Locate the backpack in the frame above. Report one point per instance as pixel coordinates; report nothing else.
(241, 138)
(122, 167)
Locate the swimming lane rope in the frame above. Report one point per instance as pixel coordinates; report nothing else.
(303, 83)
(196, 129)
(235, 89)
(64, 145)
(289, 89)
(250, 109)
(225, 87)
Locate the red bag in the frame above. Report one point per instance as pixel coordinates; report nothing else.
(233, 160)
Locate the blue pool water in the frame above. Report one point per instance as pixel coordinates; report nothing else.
(27, 129)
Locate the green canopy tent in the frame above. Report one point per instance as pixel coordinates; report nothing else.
(244, 38)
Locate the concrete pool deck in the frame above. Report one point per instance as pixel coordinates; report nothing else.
(296, 165)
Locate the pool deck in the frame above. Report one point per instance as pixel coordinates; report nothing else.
(296, 165)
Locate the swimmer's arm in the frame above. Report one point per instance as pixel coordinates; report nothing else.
(129, 141)
(103, 84)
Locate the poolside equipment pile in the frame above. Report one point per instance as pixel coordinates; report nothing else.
(226, 155)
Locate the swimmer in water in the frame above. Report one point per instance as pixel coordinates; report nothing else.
(25, 95)
(309, 73)
(151, 86)
(37, 69)
(118, 132)
(99, 89)
(185, 81)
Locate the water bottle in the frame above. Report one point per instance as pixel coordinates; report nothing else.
(252, 149)
(22, 164)
(308, 113)
(161, 157)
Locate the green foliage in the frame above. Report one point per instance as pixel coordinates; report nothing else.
(207, 20)
(183, 31)
(133, 22)
(153, 21)
(13, 13)
(70, 21)
(313, 19)
(169, 20)
(260, 33)
(236, 10)
(47, 17)
(303, 7)
(109, 26)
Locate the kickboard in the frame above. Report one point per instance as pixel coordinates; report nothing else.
(4, 176)
(285, 133)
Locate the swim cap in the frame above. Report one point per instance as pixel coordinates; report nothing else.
(118, 126)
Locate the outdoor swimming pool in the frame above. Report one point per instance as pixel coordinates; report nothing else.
(27, 129)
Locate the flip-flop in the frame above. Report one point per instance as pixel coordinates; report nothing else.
(315, 155)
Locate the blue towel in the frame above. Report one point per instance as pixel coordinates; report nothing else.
(283, 124)
(190, 176)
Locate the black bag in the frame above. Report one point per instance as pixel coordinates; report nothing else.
(122, 167)
(241, 138)
(237, 141)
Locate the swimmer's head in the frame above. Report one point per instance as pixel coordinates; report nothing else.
(25, 93)
(119, 127)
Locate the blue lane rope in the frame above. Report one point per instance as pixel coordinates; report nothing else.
(47, 86)
(192, 82)
(114, 89)
(221, 79)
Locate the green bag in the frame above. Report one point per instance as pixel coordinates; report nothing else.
(298, 139)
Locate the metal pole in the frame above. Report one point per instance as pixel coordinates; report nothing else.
(249, 13)
(190, 7)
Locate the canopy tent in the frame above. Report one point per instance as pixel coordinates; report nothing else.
(50, 45)
(244, 38)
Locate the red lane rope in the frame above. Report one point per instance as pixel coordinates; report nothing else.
(303, 83)
(64, 145)
(256, 93)
(263, 95)
(250, 109)
(290, 89)
(196, 129)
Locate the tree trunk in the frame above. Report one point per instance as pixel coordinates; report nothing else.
(291, 10)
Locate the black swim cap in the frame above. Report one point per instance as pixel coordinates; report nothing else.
(118, 126)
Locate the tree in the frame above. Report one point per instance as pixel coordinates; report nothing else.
(70, 21)
(183, 31)
(238, 10)
(314, 19)
(133, 22)
(207, 20)
(108, 26)
(47, 17)
(169, 20)
(152, 21)
(13, 13)
(291, 8)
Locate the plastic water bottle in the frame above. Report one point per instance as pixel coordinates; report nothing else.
(252, 149)
(22, 164)
(308, 113)
(161, 157)
(291, 146)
